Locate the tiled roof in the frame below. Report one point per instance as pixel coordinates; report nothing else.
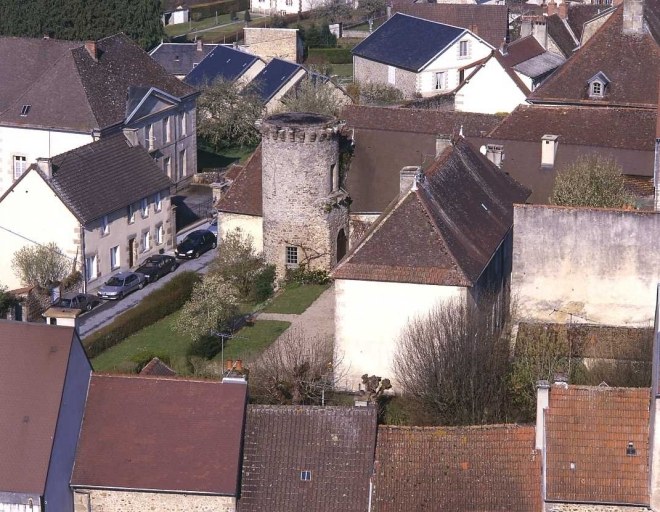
(91, 94)
(521, 50)
(180, 58)
(631, 63)
(273, 77)
(490, 22)
(539, 65)
(443, 233)
(588, 431)
(623, 128)
(157, 368)
(561, 34)
(476, 469)
(30, 406)
(392, 44)
(579, 14)
(335, 444)
(244, 194)
(223, 63)
(161, 434)
(388, 139)
(104, 176)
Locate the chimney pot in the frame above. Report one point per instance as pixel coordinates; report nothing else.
(92, 49)
(45, 165)
(239, 365)
(229, 364)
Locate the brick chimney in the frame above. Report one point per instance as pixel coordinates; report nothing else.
(552, 8)
(562, 10)
(92, 49)
(633, 17)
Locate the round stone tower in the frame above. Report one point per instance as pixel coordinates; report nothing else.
(305, 211)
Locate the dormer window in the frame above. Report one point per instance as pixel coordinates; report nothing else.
(24, 110)
(597, 85)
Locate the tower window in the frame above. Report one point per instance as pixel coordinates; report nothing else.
(291, 255)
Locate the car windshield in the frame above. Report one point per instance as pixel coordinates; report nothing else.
(65, 303)
(115, 281)
(193, 237)
(150, 264)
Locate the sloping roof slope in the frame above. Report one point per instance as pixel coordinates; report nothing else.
(521, 50)
(157, 368)
(560, 34)
(244, 194)
(540, 65)
(587, 434)
(74, 91)
(476, 469)
(180, 58)
(335, 444)
(34, 364)
(490, 22)
(273, 77)
(443, 233)
(161, 434)
(407, 42)
(223, 63)
(104, 176)
(631, 63)
(579, 14)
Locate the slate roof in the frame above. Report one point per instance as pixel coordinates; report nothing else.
(223, 63)
(157, 368)
(162, 434)
(632, 64)
(587, 434)
(490, 22)
(476, 469)
(579, 14)
(244, 194)
(273, 77)
(388, 139)
(445, 232)
(540, 65)
(91, 94)
(561, 34)
(335, 444)
(392, 44)
(180, 58)
(104, 176)
(30, 406)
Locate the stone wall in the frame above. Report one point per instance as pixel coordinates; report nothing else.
(272, 42)
(585, 265)
(100, 500)
(574, 507)
(368, 71)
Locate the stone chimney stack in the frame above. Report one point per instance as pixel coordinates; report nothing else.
(542, 404)
(562, 10)
(92, 49)
(633, 17)
(442, 142)
(407, 178)
(45, 165)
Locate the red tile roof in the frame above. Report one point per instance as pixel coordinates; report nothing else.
(335, 444)
(521, 50)
(157, 368)
(34, 364)
(161, 434)
(476, 469)
(244, 194)
(588, 431)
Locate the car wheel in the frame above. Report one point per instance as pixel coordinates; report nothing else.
(141, 285)
(121, 295)
(196, 254)
(214, 245)
(89, 306)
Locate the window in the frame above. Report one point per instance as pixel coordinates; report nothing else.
(463, 49)
(167, 166)
(167, 129)
(114, 257)
(391, 75)
(131, 214)
(440, 80)
(20, 165)
(305, 476)
(596, 89)
(144, 208)
(158, 202)
(184, 123)
(182, 164)
(149, 136)
(291, 255)
(160, 234)
(289, 2)
(25, 109)
(105, 225)
(146, 241)
(91, 267)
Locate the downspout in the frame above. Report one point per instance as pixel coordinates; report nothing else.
(83, 257)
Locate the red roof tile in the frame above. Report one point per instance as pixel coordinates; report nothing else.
(161, 434)
(244, 194)
(588, 430)
(157, 368)
(476, 469)
(521, 50)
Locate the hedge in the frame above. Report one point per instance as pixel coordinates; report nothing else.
(224, 7)
(158, 304)
(332, 55)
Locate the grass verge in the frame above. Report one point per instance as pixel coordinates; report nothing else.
(295, 298)
(252, 340)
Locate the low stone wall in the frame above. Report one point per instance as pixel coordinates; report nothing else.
(126, 501)
(573, 507)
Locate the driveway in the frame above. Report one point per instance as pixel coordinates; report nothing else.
(108, 311)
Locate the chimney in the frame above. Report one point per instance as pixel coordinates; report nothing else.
(92, 49)
(200, 44)
(229, 365)
(552, 8)
(633, 17)
(46, 166)
(407, 178)
(442, 142)
(495, 153)
(563, 10)
(504, 48)
(239, 365)
(549, 145)
(542, 404)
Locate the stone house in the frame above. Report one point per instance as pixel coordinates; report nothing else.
(108, 207)
(446, 237)
(270, 43)
(417, 56)
(179, 59)
(40, 418)
(160, 443)
(79, 92)
(284, 7)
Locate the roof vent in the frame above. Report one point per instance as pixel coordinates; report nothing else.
(25, 109)
(631, 450)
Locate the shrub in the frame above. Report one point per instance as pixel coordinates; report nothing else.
(205, 347)
(262, 287)
(246, 16)
(141, 359)
(153, 307)
(303, 275)
(379, 94)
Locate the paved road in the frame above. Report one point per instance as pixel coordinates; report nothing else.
(105, 313)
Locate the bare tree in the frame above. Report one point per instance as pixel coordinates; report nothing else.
(41, 265)
(453, 364)
(296, 369)
(313, 94)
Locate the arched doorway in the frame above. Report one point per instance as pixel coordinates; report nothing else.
(341, 244)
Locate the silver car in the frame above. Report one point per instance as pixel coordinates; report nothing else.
(121, 285)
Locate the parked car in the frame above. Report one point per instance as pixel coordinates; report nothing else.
(121, 284)
(155, 267)
(196, 243)
(83, 301)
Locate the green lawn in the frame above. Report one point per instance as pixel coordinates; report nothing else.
(251, 340)
(342, 70)
(295, 298)
(209, 159)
